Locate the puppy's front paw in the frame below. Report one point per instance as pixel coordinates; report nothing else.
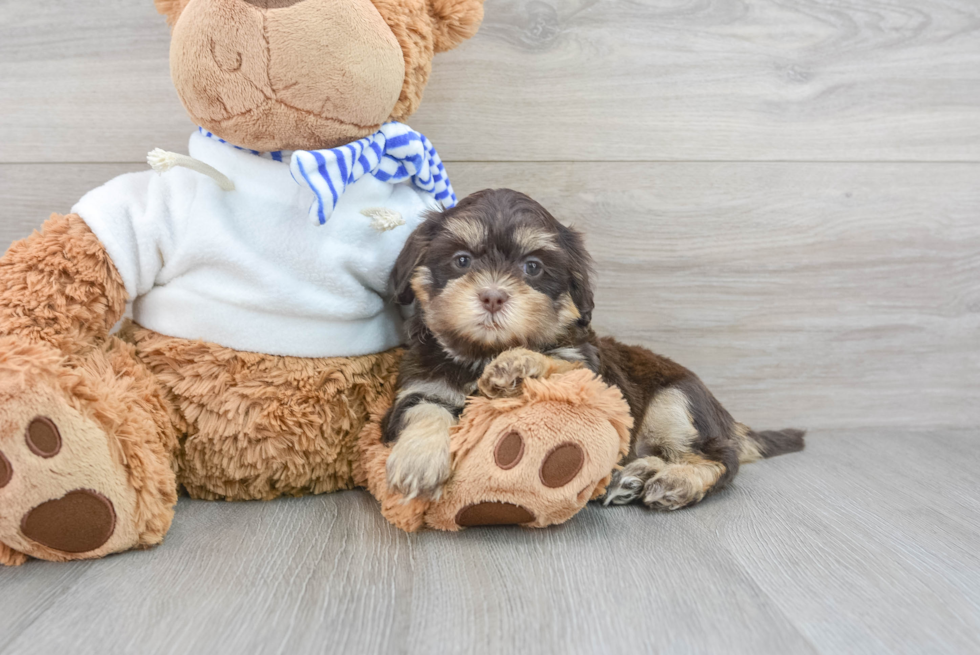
(503, 376)
(419, 466)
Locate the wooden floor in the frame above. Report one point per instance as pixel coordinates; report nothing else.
(782, 195)
(865, 543)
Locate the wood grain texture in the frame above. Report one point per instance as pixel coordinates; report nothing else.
(863, 543)
(582, 80)
(839, 296)
(815, 295)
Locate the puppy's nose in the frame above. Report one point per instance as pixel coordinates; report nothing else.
(493, 299)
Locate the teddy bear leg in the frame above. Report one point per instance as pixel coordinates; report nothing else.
(86, 434)
(262, 426)
(85, 454)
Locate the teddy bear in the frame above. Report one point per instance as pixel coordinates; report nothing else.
(262, 349)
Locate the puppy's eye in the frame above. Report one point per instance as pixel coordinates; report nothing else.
(533, 268)
(462, 260)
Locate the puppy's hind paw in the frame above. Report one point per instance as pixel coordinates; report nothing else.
(623, 490)
(668, 493)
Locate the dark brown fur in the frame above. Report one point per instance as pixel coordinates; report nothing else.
(684, 443)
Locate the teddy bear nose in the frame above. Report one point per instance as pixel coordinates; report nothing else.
(273, 4)
(493, 300)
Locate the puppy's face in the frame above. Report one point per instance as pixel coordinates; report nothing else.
(493, 273)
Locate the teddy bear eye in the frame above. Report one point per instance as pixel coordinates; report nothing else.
(462, 260)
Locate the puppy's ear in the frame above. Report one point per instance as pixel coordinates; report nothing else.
(400, 282)
(580, 273)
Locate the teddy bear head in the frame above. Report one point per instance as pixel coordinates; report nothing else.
(307, 74)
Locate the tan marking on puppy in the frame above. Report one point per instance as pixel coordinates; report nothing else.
(421, 282)
(748, 448)
(568, 313)
(683, 483)
(502, 377)
(471, 232)
(529, 239)
(419, 462)
(529, 317)
(568, 354)
(438, 389)
(668, 427)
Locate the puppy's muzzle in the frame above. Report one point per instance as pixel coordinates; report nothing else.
(493, 300)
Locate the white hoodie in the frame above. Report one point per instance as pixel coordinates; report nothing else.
(249, 269)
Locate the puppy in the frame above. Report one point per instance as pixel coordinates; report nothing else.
(502, 293)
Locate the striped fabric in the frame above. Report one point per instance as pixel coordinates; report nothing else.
(393, 154)
(275, 155)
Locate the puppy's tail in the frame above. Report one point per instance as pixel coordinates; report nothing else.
(768, 443)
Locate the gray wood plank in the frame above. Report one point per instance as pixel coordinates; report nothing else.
(804, 294)
(813, 294)
(828, 551)
(547, 80)
(32, 192)
(873, 548)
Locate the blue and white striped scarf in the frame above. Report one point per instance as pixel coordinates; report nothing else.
(393, 154)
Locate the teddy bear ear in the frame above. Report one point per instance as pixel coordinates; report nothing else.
(455, 21)
(171, 9)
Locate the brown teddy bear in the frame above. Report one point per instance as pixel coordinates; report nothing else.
(263, 345)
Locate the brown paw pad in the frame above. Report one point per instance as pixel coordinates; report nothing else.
(6, 471)
(561, 465)
(43, 437)
(493, 513)
(509, 451)
(78, 522)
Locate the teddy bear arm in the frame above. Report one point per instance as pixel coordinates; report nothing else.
(60, 286)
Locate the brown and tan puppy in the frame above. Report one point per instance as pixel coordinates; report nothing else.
(502, 293)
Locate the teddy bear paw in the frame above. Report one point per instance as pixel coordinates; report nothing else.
(63, 493)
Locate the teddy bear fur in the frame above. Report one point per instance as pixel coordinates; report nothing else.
(141, 415)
